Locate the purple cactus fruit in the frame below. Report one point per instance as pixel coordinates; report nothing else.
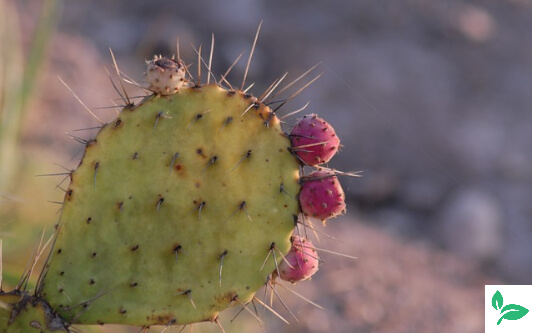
(321, 195)
(314, 140)
(300, 263)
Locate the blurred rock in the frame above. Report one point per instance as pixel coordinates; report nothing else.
(470, 224)
(422, 194)
(398, 221)
(375, 187)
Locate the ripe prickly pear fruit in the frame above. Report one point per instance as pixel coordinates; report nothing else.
(300, 263)
(321, 195)
(165, 76)
(314, 140)
(172, 211)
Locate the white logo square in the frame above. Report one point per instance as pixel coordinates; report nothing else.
(508, 309)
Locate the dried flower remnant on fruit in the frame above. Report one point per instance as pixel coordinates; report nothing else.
(166, 76)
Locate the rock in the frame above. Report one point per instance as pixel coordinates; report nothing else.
(470, 224)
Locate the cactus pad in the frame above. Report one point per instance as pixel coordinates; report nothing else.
(173, 210)
(31, 313)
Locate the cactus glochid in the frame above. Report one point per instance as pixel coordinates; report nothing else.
(182, 207)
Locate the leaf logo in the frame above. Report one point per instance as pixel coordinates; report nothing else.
(497, 300)
(510, 311)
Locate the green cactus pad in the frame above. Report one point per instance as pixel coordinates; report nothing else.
(172, 212)
(21, 312)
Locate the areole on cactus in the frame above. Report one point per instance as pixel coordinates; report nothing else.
(182, 207)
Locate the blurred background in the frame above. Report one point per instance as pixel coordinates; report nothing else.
(431, 99)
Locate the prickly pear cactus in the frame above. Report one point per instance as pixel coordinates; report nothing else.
(176, 203)
(183, 206)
